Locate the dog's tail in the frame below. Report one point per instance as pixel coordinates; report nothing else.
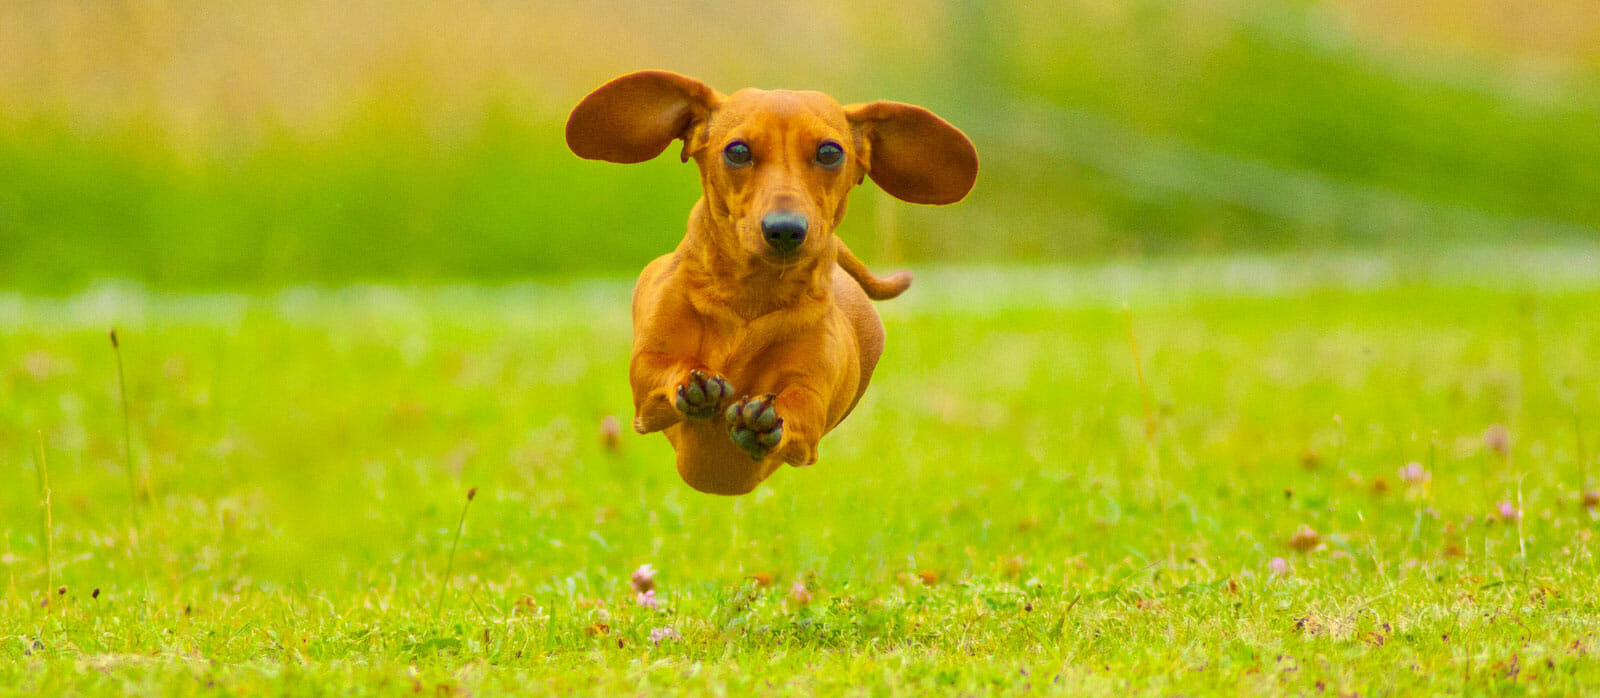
(877, 289)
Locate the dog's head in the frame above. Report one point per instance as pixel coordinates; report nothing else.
(776, 166)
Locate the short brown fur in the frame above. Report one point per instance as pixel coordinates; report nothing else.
(798, 324)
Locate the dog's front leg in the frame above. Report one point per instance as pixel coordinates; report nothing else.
(667, 390)
(786, 425)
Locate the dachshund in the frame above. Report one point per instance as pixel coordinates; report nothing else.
(756, 336)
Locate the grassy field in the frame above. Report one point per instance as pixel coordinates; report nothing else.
(993, 519)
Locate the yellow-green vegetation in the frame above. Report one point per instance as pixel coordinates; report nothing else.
(197, 144)
(1366, 476)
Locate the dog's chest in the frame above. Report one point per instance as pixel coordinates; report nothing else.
(740, 350)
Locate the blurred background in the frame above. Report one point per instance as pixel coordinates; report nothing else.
(195, 144)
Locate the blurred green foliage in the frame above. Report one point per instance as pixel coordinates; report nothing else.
(199, 146)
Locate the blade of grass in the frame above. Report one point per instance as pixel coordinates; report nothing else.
(127, 439)
(42, 469)
(449, 567)
(133, 481)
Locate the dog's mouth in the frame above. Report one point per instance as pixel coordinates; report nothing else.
(784, 257)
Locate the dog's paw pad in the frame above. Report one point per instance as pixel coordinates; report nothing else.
(701, 393)
(754, 425)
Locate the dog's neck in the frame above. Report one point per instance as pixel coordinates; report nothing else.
(723, 274)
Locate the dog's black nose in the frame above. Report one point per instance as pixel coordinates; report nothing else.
(783, 230)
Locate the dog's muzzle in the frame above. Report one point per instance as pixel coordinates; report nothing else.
(784, 230)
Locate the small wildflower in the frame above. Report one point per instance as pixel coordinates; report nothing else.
(667, 633)
(1013, 566)
(799, 593)
(1507, 511)
(599, 628)
(1305, 539)
(1278, 566)
(762, 579)
(644, 578)
(928, 577)
(1496, 438)
(611, 433)
(1414, 474)
(647, 599)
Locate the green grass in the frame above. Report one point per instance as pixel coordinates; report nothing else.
(302, 458)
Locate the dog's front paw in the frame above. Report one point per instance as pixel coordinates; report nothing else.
(701, 393)
(754, 425)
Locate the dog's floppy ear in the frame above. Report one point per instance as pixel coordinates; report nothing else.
(634, 117)
(912, 153)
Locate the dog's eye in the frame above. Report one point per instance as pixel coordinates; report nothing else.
(830, 155)
(737, 154)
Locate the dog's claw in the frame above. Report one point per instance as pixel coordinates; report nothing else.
(771, 438)
(701, 393)
(754, 425)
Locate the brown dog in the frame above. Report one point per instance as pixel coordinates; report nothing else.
(755, 337)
